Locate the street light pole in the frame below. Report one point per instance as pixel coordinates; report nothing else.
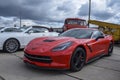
(89, 11)
(20, 19)
(20, 16)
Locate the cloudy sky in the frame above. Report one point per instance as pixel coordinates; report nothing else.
(53, 12)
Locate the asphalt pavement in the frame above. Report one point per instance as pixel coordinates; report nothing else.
(13, 68)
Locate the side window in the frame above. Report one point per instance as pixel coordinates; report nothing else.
(30, 31)
(96, 34)
(38, 30)
(43, 30)
(33, 30)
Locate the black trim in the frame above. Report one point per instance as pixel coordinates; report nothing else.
(89, 48)
(43, 59)
(48, 40)
(95, 58)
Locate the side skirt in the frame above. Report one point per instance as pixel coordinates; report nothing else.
(95, 58)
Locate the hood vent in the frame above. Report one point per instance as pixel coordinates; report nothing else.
(47, 40)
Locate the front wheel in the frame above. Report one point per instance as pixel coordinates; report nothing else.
(77, 60)
(11, 45)
(110, 49)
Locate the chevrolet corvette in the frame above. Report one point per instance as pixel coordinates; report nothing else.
(70, 50)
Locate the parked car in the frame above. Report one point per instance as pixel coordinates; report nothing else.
(12, 40)
(71, 50)
(70, 23)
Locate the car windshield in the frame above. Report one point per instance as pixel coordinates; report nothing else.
(21, 29)
(43, 30)
(77, 22)
(78, 33)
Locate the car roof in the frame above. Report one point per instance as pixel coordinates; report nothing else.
(74, 19)
(40, 27)
(86, 29)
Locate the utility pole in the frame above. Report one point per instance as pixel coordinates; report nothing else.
(20, 18)
(89, 11)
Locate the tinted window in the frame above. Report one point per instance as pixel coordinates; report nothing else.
(71, 22)
(78, 33)
(79, 22)
(10, 29)
(38, 30)
(21, 29)
(97, 34)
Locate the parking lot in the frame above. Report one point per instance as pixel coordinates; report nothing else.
(13, 68)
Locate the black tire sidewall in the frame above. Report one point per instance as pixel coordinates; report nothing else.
(72, 67)
(4, 46)
(110, 52)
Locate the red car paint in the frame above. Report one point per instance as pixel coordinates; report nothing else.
(61, 59)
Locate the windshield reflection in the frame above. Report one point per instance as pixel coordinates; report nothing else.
(78, 33)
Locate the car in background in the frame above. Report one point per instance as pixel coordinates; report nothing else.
(70, 50)
(70, 23)
(12, 40)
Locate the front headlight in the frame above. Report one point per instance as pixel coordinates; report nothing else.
(62, 46)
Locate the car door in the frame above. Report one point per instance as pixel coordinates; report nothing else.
(99, 43)
(32, 34)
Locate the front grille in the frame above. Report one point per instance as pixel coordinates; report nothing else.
(43, 59)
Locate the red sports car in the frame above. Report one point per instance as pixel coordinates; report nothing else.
(70, 50)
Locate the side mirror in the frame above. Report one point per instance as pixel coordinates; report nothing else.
(29, 32)
(99, 37)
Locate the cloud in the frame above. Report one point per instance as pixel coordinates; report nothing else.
(113, 2)
(83, 10)
(32, 9)
(8, 22)
(104, 15)
(55, 11)
(45, 10)
(99, 10)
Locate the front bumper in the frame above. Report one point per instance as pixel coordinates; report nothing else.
(56, 61)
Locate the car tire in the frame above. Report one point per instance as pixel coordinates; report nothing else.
(11, 45)
(78, 59)
(110, 49)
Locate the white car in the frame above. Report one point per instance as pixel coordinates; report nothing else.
(19, 38)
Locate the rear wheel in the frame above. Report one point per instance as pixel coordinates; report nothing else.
(77, 60)
(110, 49)
(11, 45)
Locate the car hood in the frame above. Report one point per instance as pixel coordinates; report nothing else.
(42, 45)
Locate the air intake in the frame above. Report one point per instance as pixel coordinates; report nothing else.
(47, 40)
